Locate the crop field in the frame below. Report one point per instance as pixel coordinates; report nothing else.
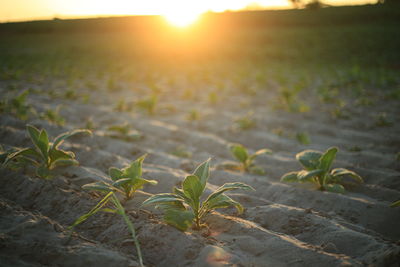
(263, 138)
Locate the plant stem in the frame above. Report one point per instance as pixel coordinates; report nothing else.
(129, 223)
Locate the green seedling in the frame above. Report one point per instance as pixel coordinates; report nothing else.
(17, 106)
(193, 115)
(246, 160)
(213, 98)
(71, 94)
(53, 116)
(183, 208)
(125, 181)
(290, 102)
(90, 123)
(124, 132)
(303, 138)
(45, 156)
(122, 106)
(148, 104)
(246, 122)
(116, 208)
(317, 170)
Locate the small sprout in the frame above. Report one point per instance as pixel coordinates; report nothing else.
(289, 101)
(213, 98)
(303, 138)
(181, 152)
(317, 170)
(246, 122)
(193, 115)
(122, 106)
(17, 106)
(117, 208)
(246, 160)
(112, 85)
(184, 208)
(89, 124)
(148, 104)
(71, 94)
(124, 132)
(125, 181)
(53, 116)
(45, 156)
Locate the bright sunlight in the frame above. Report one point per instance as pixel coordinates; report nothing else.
(181, 17)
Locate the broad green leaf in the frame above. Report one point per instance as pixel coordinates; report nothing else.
(55, 154)
(97, 186)
(180, 219)
(62, 137)
(121, 182)
(63, 163)
(203, 172)
(327, 159)
(162, 198)
(227, 187)
(19, 153)
(240, 152)
(305, 176)
(309, 159)
(335, 188)
(177, 205)
(138, 183)
(114, 173)
(181, 194)
(33, 133)
(221, 201)
(344, 172)
(395, 204)
(135, 169)
(290, 177)
(43, 144)
(193, 189)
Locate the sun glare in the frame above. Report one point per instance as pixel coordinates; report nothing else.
(181, 18)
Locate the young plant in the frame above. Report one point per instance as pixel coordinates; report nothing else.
(53, 116)
(193, 115)
(148, 104)
(303, 138)
(317, 170)
(125, 181)
(17, 106)
(124, 132)
(245, 122)
(246, 160)
(183, 208)
(116, 208)
(45, 155)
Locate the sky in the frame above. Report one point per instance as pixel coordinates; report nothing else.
(19, 10)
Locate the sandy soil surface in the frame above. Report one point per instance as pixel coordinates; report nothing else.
(283, 224)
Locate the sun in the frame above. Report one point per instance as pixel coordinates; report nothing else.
(181, 18)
